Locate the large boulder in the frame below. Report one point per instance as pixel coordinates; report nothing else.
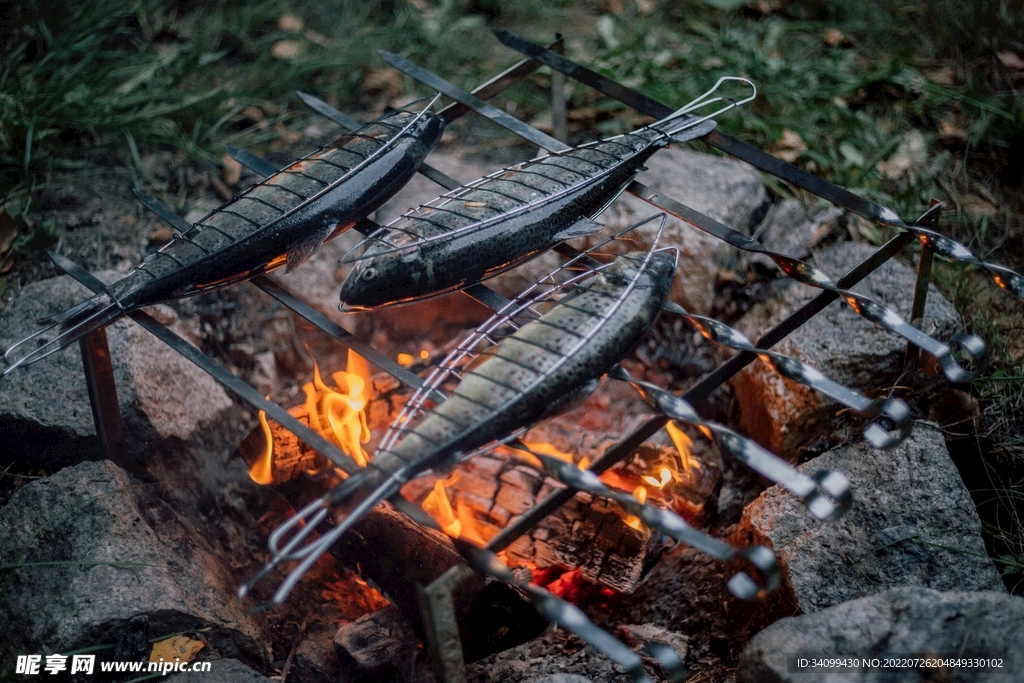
(726, 190)
(953, 630)
(792, 228)
(45, 413)
(784, 416)
(912, 524)
(94, 550)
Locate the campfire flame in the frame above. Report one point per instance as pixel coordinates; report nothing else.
(632, 521)
(683, 444)
(545, 448)
(437, 505)
(338, 414)
(262, 471)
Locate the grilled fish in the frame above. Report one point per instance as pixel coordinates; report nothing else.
(498, 221)
(536, 368)
(280, 221)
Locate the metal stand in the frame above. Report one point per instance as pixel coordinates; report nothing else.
(436, 600)
(99, 378)
(441, 625)
(924, 276)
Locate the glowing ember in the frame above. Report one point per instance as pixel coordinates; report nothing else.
(405, 360)
(338, 414)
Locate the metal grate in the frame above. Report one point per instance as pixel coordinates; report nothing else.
(438, 617)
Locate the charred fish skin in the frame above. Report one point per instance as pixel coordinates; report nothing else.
(514, 383)
(280, 221)
(495, 223)
(260, 230)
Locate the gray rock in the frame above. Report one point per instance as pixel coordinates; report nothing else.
(784, 416)
(792, 228)
(45, 412)
(912, 524)
(901, 622)
(99, 549)
(222, 671)
(726, 190)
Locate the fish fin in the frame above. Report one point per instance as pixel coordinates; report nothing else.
(72, 324)
(694, 132)
(580, 228)
(300, 253)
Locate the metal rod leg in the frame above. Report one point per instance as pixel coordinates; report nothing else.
(106, 411)
(924, 276)
(441, 624)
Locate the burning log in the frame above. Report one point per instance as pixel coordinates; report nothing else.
(489, 492)
(384, 547)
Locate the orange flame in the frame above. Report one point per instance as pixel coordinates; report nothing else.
(262, 471)
(337, 414)
(545, 448)
(632, 521)
(437, 505)
(683, 444)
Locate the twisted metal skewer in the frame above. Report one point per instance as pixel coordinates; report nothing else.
(799, 270)
(669, 523)
(890, 410)
(944, 246)
(827, 494)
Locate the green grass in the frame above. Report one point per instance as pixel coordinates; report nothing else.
(94, 84)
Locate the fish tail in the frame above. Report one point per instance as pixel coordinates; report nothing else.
(71, 325)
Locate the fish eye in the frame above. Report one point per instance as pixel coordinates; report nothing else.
(369, 273)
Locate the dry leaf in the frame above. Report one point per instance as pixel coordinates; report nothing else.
(944, 76)
(911, 154)
(978, 207)
(789, 146)
(647, 7)
(8, 231)
(318, 38)
(387, 82)
(835, 37)
(949, 129)
(231, 171)
(1011, 60)
(176, 647)
(161, 235)
(285, 49)
(290, 23)
(222, 190)
(768, 8)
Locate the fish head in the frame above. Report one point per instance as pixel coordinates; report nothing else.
(387, 277)
(428, 130)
